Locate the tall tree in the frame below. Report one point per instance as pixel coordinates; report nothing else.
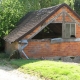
(30, 4)
(10, 13)
(77, 6)
(47, 3)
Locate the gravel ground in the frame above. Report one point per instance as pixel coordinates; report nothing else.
(9, 73)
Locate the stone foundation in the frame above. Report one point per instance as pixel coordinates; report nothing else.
(75, 59)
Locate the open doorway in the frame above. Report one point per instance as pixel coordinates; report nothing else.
(53, 30)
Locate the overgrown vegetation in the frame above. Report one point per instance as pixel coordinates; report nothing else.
(50, 70)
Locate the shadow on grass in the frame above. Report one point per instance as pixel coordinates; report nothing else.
(16, 63)
(5, 65)
(8, 65)
(20, 62)
(11, 64)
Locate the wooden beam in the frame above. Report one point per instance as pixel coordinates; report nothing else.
(69, 16)
(72, 18)
(63, 23)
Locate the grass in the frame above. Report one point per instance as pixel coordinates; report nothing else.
(3, 55)
(50, 70)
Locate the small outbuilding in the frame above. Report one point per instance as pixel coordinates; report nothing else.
(48, 33)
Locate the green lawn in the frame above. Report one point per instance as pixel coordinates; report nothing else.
(49, 69)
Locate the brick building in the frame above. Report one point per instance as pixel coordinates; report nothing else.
(52, 32)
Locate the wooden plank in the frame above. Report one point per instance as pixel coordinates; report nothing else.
(73, 29)
(67, 31)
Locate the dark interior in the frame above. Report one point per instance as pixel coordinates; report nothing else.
(53, 30)
(2, 45)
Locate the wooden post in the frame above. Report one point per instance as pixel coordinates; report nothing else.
(63, 24)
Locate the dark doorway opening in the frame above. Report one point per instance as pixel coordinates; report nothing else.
(53, 30)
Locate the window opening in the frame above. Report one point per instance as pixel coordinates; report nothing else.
(53, 30)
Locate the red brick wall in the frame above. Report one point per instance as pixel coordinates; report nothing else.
(77, 31)
(44, 48)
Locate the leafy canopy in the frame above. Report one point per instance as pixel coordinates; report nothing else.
(10, 12)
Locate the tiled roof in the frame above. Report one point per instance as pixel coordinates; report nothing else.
(30, 21)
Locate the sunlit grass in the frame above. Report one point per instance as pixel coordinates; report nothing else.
(49, 69)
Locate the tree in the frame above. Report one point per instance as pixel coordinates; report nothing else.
(10, 12)
(77, 6)
(48, 3)
(30, 4)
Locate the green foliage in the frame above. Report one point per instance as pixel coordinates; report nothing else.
(77, 6)
(30, 4)
(10, 12)
(47, 3)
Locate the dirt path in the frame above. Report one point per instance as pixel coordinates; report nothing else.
(9, 73)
